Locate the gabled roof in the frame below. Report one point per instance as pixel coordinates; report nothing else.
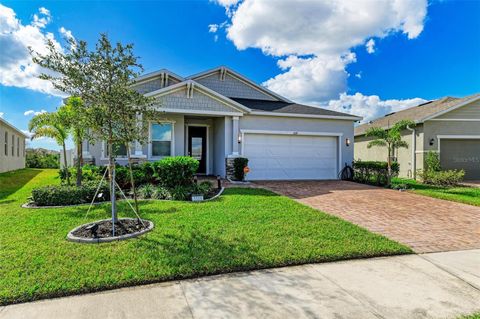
(12, 127)
(170, 89)
(280, 107)
(239, 77)
(152, 75)
(419, 113)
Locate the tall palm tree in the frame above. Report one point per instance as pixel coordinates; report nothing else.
(52, 125)
(391, 138)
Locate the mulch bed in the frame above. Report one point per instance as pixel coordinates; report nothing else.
(104, 230)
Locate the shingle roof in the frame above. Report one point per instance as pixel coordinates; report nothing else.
(417, 113)
(286, 107)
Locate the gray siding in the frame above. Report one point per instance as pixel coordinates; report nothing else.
(275, 123)
(469, 111)
(435, 128)
(232, 87)
(153, 85)
(199, 102)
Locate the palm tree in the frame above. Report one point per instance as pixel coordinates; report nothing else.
(52, 125)
(74, 113)
(390, 138)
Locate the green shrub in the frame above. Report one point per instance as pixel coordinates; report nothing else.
(161, 193)
(40, 158)
(181, 192)
(239, 164)
(373, 172)
(442, 178)
(146, 191)
(432, 162)
(204, 188)
(59, 195)
(176, 171)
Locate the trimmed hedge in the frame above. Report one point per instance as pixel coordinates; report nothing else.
(176, 171)
(434, 175)
(60, 195)
(373, 172)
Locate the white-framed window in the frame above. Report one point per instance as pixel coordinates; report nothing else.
(6, 143)
(161, 139)
(13, 145)
(18, 146)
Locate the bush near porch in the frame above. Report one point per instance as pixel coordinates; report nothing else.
(242, 230)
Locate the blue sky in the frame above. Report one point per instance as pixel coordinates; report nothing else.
(305, 52)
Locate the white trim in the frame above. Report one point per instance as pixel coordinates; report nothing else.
(456, 120)
(202, 89)
(315, 116)
(454, 107)
(241, 78)
(325, 134)
(202, 112)
(207, 159)
(148, 76)
(450, 137)
(172, 142)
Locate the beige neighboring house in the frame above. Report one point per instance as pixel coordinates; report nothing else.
(12, 151)
(450, 126)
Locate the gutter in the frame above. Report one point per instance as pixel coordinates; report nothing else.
(413, 159)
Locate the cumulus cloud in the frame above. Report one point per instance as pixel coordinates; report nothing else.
(2, 114)
(32, 112)
(66, 33)
(314, 40)
(16, 66)
(30, 134)
(370, 46)
(370, 106)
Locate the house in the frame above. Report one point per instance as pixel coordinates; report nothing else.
(12, 151)
(449, 126)
(219, 114)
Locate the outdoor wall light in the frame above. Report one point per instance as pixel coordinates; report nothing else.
(432, 141)
(347, 141)
(239, 138)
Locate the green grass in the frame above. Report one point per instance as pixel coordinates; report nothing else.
(461, 194)
(245, 229)
(472, 316)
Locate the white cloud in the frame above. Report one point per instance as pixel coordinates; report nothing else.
(29, 134)
(314, 39)
(16, 66)
(370, 46)
(66, 33)
(358, 75)
(2, 114)
(212, 28)
(32, 112)
(370, 106)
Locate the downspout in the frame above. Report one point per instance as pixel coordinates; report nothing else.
(414, 147)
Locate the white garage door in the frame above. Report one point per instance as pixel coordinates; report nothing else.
(286, 157)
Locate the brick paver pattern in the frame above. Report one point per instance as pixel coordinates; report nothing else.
(425, 224)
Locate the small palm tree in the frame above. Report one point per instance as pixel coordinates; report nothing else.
(390, 138)
(52, 125)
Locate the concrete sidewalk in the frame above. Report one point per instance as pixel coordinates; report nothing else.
(439, 285)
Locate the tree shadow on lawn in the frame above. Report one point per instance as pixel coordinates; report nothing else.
(193, 253)
(17, 179)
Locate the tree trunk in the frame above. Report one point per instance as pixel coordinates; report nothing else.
(65, 163)
(79, 163)
(111, 163)
(132, 181)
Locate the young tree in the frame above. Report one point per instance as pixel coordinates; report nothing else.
(102, 78)
(74, 111)
(53, 125)
(390, 138)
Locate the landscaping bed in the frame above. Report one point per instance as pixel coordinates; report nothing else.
(244, 229)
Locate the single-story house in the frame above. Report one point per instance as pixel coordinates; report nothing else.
(449, 126)
(219, 114)
(12, 151)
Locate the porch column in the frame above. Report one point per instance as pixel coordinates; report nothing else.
(235, 135)
(138, 146)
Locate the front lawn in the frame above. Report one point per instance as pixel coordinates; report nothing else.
(244, 229)
(462, 194)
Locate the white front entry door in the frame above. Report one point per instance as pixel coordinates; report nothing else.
(290, 157)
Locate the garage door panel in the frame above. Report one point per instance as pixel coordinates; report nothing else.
(461, 154)
(274, 156)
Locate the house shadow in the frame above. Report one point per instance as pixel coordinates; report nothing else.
(16, 180)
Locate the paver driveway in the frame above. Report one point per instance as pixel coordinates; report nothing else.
(425, 224)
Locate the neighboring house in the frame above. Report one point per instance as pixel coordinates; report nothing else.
(450, 126)
(12, 150)
(218, 115)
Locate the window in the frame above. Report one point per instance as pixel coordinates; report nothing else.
(13, 145)
(161, 139)
(24, 146)
(119, 150)
(6, 143)
(18, 146)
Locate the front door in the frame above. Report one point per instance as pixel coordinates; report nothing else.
(197, 146)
